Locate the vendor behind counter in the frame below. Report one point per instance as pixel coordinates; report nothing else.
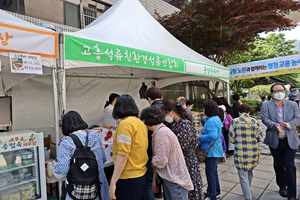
(109, 121)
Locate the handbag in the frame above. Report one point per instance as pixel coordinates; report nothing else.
(201, 154)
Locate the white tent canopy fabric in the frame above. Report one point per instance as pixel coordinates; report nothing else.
(12, 20)
(127, 30)
(32, 94)
(127, 25)
(7, 78)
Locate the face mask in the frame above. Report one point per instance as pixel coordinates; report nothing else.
(279, 96)
(168, 119)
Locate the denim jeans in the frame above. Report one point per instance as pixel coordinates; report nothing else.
(174, 191)
(149, 194)
(213, 185)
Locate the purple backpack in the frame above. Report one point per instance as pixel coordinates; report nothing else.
(227, 121)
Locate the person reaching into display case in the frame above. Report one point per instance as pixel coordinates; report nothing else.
(73, 124)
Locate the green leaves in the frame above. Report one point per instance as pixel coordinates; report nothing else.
(261, 90)
(274, 45)
(219, 29)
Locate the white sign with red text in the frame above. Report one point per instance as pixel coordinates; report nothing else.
(25, 63)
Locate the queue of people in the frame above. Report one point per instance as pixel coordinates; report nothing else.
(155, 148)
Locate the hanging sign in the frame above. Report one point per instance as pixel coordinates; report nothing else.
(25, 63)
(81, 49)
(27, 40)
(18, 142)
(268, 67)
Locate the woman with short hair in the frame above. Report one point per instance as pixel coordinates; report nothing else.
(130, 144)
(245, 133)
(168, 161)
(72, 123)
(211, 137)
(186, 134)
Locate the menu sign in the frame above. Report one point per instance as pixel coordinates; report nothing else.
(25, 63)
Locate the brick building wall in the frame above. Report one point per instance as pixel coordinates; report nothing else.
(49, 10)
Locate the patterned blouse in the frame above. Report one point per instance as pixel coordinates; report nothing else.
(245, 133)
(66, 151)
(186, 135)
(168, 159)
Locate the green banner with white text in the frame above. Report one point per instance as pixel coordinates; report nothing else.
(80, 49)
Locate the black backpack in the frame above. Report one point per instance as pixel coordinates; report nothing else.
(83, 176)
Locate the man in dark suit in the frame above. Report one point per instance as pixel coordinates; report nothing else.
(281, 118)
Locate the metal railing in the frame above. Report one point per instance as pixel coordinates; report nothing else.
(40, 22)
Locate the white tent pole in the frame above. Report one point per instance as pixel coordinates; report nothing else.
(56, 109)
(62, 75)
(228, 94)
(61, 78)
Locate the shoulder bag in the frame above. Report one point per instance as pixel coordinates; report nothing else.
(201, 154)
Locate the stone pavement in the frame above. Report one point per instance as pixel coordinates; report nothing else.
(264, 185)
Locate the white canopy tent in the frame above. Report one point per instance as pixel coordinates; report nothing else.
(34, 97)
(123, 48)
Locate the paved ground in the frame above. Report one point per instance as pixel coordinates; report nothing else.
(263, 185)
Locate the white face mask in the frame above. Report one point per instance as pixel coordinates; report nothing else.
(168, 119)
(279, 96)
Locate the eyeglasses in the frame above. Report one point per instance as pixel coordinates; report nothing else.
(276, 91)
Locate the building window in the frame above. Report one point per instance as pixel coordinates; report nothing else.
(16, 6)
(71, 15)
(89, 16)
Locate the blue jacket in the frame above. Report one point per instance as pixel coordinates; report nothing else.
(211, 131)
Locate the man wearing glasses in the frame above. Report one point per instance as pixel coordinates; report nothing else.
(281, 118)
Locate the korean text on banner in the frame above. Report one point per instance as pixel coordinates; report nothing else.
(18, 142)
(99, 52)
(207, 70)
(268, 67)
(25, 63)
(25, 40)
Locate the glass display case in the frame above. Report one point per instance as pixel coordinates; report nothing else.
(22, 166)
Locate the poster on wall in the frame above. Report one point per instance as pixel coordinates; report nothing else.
(25, 63)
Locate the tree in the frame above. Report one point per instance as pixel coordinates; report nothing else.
(261, 90)
(218, 29)
(274, 45)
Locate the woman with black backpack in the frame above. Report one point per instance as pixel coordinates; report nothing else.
(70, 159)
